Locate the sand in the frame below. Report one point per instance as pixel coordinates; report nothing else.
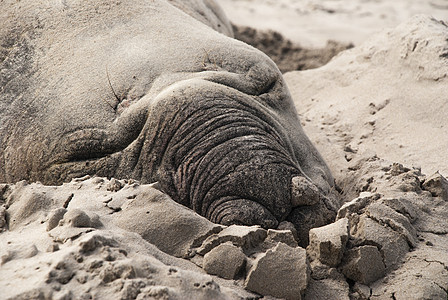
(386, 97)
(312, 23)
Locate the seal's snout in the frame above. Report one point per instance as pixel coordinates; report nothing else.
(223, 156)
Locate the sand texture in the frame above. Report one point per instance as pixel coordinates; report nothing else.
(95, 238)
(312, 23)
(385, 97)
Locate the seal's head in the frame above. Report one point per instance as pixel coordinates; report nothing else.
(155, 91)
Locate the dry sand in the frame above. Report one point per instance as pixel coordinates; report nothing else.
(386, 97)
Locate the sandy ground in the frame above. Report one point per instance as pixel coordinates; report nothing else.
(313, 22)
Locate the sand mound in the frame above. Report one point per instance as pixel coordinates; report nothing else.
(385, 97)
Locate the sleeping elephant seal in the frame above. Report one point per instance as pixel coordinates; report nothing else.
(153, 90)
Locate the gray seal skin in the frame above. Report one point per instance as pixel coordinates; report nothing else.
(156, 91)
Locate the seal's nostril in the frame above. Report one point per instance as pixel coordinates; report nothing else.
(268, 88)
(263, 77)
(248, 84)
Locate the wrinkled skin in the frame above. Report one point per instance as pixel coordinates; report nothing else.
(156, 91)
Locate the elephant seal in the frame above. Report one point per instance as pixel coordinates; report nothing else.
(156, 91)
